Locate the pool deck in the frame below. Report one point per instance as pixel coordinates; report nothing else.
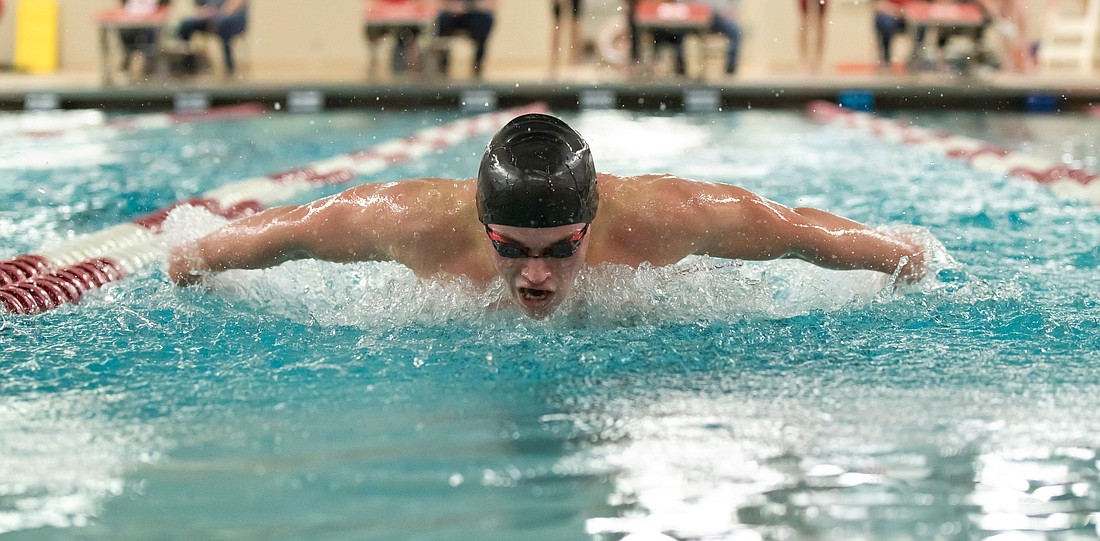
(576, 88)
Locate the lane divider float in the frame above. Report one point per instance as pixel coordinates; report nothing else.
(1064, 181)
(35, 283)
(35, 122)
(60, 123)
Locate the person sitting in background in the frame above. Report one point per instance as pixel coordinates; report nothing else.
(140, 40)
(475, 17)
(406, 48)
(976, 34)
(723, 21)
(1010, 21)
(575, 8)
(889, 22)
(226, 19)
(672, 39)
(658, 38)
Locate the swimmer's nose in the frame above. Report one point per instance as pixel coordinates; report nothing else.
(536, 270)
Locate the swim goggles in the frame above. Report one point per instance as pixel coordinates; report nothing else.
(559, 250)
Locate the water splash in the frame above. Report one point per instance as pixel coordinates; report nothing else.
(696, 289)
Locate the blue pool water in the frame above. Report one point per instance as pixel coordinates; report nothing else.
(710, 400)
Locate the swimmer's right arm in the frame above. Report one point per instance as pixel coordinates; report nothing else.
(260, 241)
(343, 228)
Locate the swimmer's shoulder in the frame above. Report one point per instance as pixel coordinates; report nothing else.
(409, 207)
(412, 196)
(664, 194)
(417, 187)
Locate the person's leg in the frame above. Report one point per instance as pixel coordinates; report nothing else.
(886, 26)
(732, 32)
(635, 39)
(555, 37)
(446, 24)
(577, 48)
(228, 28)
(188, 27)
(803, 33)
(130, 43)
(373, 35)
(147, 44)
(918, 57)
(479, 25)
(819, 52)
(406, 52)
(673, 40)
(677, 42)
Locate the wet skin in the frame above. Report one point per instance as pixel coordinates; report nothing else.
(431, 226)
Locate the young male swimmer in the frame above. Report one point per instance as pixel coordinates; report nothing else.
(535, 216)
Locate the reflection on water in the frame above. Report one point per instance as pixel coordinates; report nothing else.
(707, 400)
(832, 467)
(62, 457)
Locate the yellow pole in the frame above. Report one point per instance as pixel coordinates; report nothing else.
(36, 36)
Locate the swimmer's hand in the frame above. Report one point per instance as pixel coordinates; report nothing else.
(912, 266)
(185, 265)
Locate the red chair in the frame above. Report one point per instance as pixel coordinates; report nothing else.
(381, 17)
(655, 14)
(113, 20)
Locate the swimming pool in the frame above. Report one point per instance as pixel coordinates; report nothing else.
(711, 400)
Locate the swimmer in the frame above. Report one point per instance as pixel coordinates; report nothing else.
(535, 216)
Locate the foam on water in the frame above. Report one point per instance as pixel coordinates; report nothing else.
(697, 289)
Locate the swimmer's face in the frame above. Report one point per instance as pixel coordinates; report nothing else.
(538, 284)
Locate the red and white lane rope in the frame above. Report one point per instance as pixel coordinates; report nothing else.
(48, 124)
(34, 283)
(1064, 181)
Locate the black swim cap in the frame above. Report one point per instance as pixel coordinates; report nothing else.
(536, 172)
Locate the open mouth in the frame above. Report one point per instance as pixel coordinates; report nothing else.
(534, 297)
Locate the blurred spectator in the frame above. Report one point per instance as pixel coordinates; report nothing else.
(723, 21)
(812, 20)
(976, 35)
(406, 48)
(575, 9)
(658, 38)
(1010, 22)
(140, 40)
(889, 22)
(635, 39)
(226, 19)
(474, 17)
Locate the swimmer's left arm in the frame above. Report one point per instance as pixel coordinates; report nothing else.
(734, 223)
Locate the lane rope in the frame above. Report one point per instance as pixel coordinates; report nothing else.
(35, 283)
(36, 126)
(1064, 181)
